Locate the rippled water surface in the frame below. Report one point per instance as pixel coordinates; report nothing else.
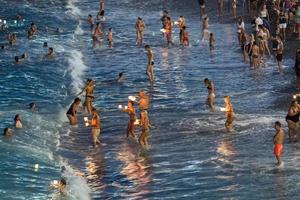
(191, 155)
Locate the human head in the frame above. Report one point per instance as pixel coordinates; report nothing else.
(277, 125)
(7, 132)
(110, 29)
(50, 50)
(211, 34)
(63, 182)
(141, 94)
(94, 111)
(45, 44)
(16, 59)
(90, 15)
(183, 27)
(17, 117)
(77, 100)
(2, 46)
(206, 81)
(130, 103)
(32, 105)
(120, 74)
(147, 47)
(139, 18)
(294, 103)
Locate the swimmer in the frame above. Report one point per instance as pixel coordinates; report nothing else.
(229, 114)
(233, 7)
(212, 42)
(89, 95)
(120, 77)
(59, 185)
(132, 117)
(91, 22)
(96, 125)
(144, 123)
(211, 93)
(17, 120)
(110, 37)
(185, 37)
(292, 119)
(71, 113)
(33, 28)
(30, 34)
(24, 56)
(45, 44)
(220, 7)
(7, 132)
(32, 106)
(243, 43)
(150, 58)
(50, 53)
(278, 141)
(17, 60)
(168, 30)
(139, 27)
(143, 101)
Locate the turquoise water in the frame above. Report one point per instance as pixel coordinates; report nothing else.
(191, 155)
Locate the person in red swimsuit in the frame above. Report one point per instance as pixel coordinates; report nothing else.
(278, 140)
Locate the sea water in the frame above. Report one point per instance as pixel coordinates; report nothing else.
(191, 156)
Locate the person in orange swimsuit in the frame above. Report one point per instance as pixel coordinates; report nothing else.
(96, 125)
(278, 140)
(229, 114)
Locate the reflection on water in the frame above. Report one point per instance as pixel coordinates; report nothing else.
(225, 151)
(94, 167)
(164, 56)
(136, 169)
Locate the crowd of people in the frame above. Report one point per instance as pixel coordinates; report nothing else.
(272, 21)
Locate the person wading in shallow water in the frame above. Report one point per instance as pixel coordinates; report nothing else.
(278, 140)
(89, 95)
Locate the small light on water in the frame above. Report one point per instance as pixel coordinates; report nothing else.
(36, 167)
(4, 21)
(295, 96)
(120, 106)
(125, 107)
(87, 124)
(85, 119)
(15, 21)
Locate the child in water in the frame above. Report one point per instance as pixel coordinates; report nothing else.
(229, 114)
(212, 42)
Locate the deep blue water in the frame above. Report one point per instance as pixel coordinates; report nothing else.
(191, 155)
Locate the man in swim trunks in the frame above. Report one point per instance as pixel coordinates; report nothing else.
(143, 101)
(97, 35)
(71, 113)
(278, 141)
(132, 117)
(89, 95)
(279, 53)
(139, 27)
(150, 58)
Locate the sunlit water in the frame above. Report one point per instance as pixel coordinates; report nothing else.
(191, 155)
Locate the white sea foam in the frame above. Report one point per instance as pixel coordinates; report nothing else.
(76, 68)
(79, 30)
(72, 9)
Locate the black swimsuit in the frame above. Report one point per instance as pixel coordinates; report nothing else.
(294, 118)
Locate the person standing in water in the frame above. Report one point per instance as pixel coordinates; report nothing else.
(185, 37)
(91, 22)
(143, 101)
(278, 141)
(279, 53)
(71, 113)
(96, 125)
(110, 37)
(150, 64)
(211, 93)
(212, 42)
(97, 35)
(297, 65)
(139, 27)
(229, 114)
(202, 7)
(132, 117)
(143, 139)
(100, 14)
(292, 119)
(89, 95)
(180, 23)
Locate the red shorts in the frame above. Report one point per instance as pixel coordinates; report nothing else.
(278, 149)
